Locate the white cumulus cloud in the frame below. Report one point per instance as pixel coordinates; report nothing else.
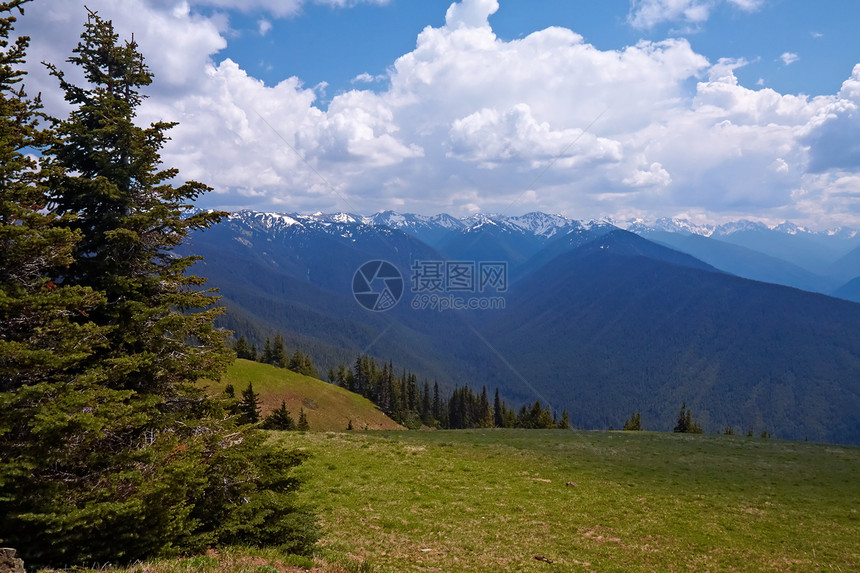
(649, 13)
(468, 121)
(789, 58)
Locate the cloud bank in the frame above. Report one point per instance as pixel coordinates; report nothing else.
(467, 121)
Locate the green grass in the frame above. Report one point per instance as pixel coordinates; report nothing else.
(233, 560)
(328, 407)
(490, 500)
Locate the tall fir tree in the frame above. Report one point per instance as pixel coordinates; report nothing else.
(302, 424)
(498, 414)
(279, 419)
(40, 338)
(278, 355)
(244, 350)
(682, 424)
(266, 356)
(249, 406)
(486, 418)
(685, 423)
(130, 219)
(634, 423)
(108, 451)
(564, 423)
(427, 407)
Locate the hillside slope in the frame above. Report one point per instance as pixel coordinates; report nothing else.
(328, 407)
(604, 333)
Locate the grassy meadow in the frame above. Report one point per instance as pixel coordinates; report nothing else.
(328, 407)
(558, 501)
(499, 500)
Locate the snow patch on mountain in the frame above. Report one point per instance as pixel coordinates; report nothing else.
(535, 224)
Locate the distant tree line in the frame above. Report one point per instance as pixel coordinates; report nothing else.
(275, 353)
(685, 424)
(413, 404)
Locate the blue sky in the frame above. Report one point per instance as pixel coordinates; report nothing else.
(711, 110)
(332, 45)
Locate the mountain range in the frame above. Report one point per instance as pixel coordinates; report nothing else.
(596, 319)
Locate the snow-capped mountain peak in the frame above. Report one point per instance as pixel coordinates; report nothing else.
(543, 224)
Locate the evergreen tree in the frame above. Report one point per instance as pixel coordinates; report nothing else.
(108, 452)
(279, 419)
(498, 414)
(301, 363)
(427, 407)
(41, 338)
(359, 376)
(634, 423)
(685, 424)
(564, 423)
(682, 425)
(230, 391)
(249, 406)
(485, 419)
(385, 389)
(278, 353)
(266, 357)
(509, 416)
(243, 350)
(523, 420)
(544, 417)
(303, 425)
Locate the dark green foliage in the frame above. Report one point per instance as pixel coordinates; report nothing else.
(280, 419)
(729, 431)
(487, 419)
(250, 498)
(244, 350)
(682, 425)
(275, 353)
(303, 425)
(410, 404)
(278, 353)
(685, 423)
(249, 406)
(535, 416)
(427, 407)
(108, 452)
(40, 336)
(634, 423)
(301, 364)
(229, 391)
(564, 423)
(266, 356)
